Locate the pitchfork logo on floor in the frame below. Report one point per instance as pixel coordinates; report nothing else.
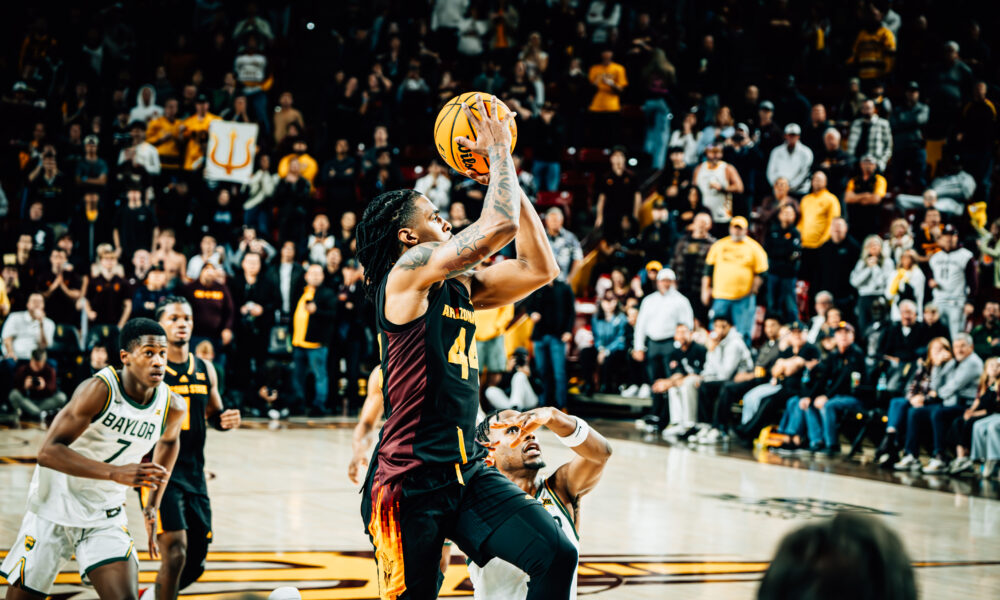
(797, 508)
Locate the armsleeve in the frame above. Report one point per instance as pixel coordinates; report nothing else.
(710, 257)
(49, 327)
(639, 336)
(880, 185)
(618, 343)
(227, 310)
(761, 255)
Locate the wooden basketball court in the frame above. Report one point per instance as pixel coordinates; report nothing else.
(665, 522)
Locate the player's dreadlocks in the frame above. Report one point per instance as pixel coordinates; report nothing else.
(377, 235)
(483, 428)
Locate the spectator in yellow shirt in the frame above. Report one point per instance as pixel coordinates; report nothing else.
(864, 199)
(164, 133)
(609, 79)
(490, 327)
(733, 275)
(195, 131)
(308, 164)
(818, 210)
(875, 47)
(605, 107)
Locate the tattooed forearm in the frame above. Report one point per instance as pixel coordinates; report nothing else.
(417, 256)
(468, 250)
(503, 193)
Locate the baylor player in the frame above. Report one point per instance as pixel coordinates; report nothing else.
(428, 480)
(518, 456)
(88, 460)
(185, 525)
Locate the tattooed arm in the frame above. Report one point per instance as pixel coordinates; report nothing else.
(426, 264)
(511, 280)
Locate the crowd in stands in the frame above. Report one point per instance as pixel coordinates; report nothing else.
(780, 207)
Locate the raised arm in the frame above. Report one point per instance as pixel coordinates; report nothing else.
(512, 280)
(580, 475)
(423, 265)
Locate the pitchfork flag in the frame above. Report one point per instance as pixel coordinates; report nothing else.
(231, 150)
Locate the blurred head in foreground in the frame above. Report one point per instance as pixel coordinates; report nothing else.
(849, 556)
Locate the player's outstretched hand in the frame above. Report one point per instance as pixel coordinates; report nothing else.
(147, 475)
(149, 517)
(489, 129)
(357, 465)
(230, 419)
(526, 423)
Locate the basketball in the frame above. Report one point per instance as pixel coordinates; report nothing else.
(451, 122)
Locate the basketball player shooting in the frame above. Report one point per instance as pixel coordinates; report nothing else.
(86, 464)
(184, 528)
(428, 480)
(517, 454)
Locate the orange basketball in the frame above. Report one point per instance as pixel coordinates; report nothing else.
(451, 122)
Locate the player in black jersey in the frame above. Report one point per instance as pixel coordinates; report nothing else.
(428, 480)
(185, 527)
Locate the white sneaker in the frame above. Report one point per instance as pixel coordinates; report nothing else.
(630, 391)
(908, 463)
(960, 465)
(712, 436)
(645, 391)
(936, 466)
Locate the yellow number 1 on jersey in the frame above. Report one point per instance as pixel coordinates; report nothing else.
(458, 356)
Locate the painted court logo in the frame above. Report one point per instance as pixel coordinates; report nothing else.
(354, 576)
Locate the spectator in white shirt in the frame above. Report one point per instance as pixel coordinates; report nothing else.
(211, 252)
(791, 160)
(436, 186)
(141, 154)
(659, 315)
(522, 396)
(320, 240)
(145, 105)
(565, 245)
(26, 331)
(685, 138)
(727, 355)
(953, 279)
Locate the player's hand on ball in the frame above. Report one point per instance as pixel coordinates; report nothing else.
(149, 516)
(489, 129)
(147, 475)
(480, 179)
(230, 419)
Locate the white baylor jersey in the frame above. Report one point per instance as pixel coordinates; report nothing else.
(122, 433)
(500, 580)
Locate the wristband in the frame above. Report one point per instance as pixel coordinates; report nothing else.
(578, 436)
